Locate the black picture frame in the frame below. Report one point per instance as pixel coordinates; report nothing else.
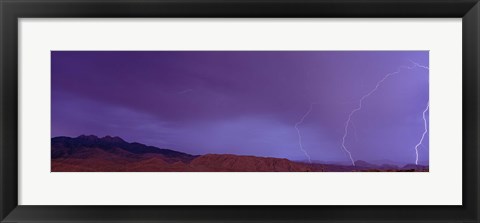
(12, 10)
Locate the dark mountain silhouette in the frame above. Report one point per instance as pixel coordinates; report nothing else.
(388, 166)
(415, 168)
(89, 153)
(386, 162)
(70, 145)
(364, 164)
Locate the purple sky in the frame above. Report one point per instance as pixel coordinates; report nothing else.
(246, 102)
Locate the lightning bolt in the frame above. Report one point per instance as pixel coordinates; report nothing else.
(360, 104)
(423, 135)
(300, 135)
(423, 116)
(418, 65)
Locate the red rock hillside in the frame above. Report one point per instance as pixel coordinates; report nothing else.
(113, 154)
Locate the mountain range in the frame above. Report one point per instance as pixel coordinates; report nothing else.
(89, 153)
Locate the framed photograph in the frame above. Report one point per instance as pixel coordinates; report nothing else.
(228, 111)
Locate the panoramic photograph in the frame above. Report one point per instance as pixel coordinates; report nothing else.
(240, 111)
